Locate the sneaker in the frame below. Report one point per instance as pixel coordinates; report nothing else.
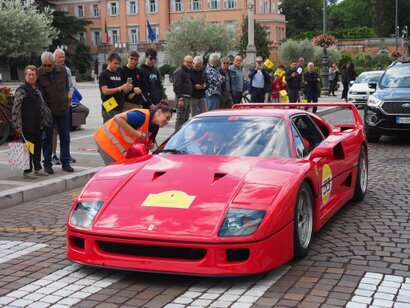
(55, 160)
(72, 160)
(29, 175)
(40, 173)
(48, 170)
(68, 168)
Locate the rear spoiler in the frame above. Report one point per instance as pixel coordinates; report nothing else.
(339, 106)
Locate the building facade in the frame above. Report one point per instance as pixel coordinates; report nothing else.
(121, 25)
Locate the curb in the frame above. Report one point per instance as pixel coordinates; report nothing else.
(18, 195)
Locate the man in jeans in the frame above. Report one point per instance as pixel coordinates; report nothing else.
(237, 79)
(53, 83)
(183, 91)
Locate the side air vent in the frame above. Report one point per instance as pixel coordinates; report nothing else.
(218, 176)
(157, 174)
(338, 152)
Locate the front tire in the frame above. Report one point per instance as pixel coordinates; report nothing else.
(360, 187)
(303, 221)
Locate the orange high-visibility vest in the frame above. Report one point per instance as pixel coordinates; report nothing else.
(116, 141)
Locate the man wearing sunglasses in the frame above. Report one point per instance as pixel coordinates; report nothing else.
(151, 80)
(260, 81)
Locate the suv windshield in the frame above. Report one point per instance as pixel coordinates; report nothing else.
(231, 136)
(397, 76)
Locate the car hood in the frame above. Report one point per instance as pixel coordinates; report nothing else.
(360, 87)
(187, 196)
(393, 94)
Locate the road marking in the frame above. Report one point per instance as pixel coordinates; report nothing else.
(14, 249)
(33, 230)
(63, 288)
(382, 291)
(239, 292)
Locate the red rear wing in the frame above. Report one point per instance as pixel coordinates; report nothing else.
(337, 106)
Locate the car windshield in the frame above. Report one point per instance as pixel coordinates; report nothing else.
(368, 77)
(231, 136)
(396, 77)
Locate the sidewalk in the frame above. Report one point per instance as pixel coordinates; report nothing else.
(14, 189)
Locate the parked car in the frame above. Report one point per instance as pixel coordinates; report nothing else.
(233, 192)
(359, 90)
(387, 111)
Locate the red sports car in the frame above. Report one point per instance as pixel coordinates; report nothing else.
(233, 192)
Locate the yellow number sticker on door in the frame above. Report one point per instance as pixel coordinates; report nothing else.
(326, 183)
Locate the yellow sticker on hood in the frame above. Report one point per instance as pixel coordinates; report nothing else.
(172, 198)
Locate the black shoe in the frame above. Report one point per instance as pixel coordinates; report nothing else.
(68, 168)
(48, 170)
(72, 160)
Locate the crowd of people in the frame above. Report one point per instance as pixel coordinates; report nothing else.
(133, 99)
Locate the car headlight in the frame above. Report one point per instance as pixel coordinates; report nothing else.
(374, 101)
(241, 222)
(84, 213)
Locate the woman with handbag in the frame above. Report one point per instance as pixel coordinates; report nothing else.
(30, 115)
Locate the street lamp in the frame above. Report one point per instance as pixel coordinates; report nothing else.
(250, 48)
(325, 60)
(396, 27)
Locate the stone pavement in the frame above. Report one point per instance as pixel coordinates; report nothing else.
(14, 189)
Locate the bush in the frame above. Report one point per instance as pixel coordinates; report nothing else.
(381, 58)
(293, 50)
(364, 59)
(333, 55)
(345, 58)
(360, 69)
(166, 69)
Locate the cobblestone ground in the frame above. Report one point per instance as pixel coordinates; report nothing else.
(359, 259)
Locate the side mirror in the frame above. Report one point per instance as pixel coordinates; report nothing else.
(137, 150)
(351, 82)
(321, 152)
(372, 85)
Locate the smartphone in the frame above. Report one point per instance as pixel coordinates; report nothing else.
(129, 80)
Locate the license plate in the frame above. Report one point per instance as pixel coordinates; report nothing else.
(403, 120)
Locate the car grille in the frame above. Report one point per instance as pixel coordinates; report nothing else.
(361, 93)
(392, 125)
(166, 252)
(396, 108)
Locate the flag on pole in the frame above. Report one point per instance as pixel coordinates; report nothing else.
(151, 33)
(268, 63)
(106, 32)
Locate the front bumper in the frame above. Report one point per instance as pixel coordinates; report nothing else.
(379, 122)
(179, 257)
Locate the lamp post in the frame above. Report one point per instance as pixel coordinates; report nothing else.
(325, 60)
(250, 48)
(396, 23)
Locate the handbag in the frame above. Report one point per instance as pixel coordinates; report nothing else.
(19, 156)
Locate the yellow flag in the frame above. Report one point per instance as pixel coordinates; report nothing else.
(30, 146)
(279, 72)
(110, 104)
(304, 100)
(268, 64)
(284, 96)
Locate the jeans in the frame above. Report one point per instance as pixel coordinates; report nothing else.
(62, 123)
(213, 102)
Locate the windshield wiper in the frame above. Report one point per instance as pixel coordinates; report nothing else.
(174, 151)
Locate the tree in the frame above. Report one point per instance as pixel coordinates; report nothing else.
(27, 30)
(293, 50)
(349, 14)
(260, 36)
(195, 36)
(302, 15)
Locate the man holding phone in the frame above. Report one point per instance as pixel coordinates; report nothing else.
(132, 74)
(260, 81)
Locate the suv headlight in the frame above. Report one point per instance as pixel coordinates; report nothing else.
(84, 213)
(241, 222)
(374, 101)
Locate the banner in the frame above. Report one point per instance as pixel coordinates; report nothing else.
(110, 104)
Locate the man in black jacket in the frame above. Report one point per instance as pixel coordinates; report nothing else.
(198, 80)
(151, 80)
(183, 91)
(293, 79)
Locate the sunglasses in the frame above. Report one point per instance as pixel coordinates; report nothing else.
(47, 65)
(152, 58)
(225, 62)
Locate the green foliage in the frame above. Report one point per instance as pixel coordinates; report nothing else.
(25, 31)
(302, 15)
(195, 36)
(260, 37)
(345, 58)
(361, 69)
(363, 59)
(166, 69)
(80, 62)
(293, 50)
(349, 14)
(381, 58)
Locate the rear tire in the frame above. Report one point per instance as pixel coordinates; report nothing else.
(303, 221)
(360, 187)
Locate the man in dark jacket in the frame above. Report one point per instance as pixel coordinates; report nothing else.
(151, 80)
(311, 80)
(293, 79)
(198, 81)
(54, 85)
(183, 91)
(225, 101)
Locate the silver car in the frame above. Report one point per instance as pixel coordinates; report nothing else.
(359, 90)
